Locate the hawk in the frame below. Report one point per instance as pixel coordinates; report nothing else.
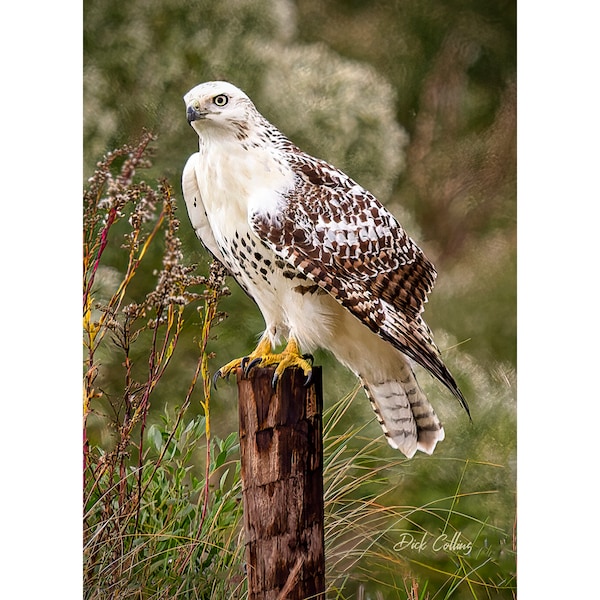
(328, 266)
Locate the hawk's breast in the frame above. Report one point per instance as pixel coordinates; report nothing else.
(257, 268)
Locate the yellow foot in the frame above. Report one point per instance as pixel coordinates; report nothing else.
(263, 356)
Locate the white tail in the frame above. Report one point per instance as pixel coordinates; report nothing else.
(406, 416)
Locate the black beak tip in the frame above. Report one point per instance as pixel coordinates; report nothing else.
(191, 115)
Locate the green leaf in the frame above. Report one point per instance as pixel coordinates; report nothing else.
(155, 436)
(221, 458)
(223, 478)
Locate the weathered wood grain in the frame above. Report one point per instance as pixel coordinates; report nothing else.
(282, 481)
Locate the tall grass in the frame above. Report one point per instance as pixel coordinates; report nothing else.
(162, 513)
(149, 523)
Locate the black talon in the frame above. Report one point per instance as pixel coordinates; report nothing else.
(252, 364)
(243, 363)
(274, 380)
(216, 377)
(309, 378)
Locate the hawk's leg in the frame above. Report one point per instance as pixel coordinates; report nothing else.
(264, 356)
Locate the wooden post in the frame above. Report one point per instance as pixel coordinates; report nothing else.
(282, 484)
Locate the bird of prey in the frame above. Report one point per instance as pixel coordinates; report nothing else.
(328, 266)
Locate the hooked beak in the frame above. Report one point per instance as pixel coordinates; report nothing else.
(194, 115)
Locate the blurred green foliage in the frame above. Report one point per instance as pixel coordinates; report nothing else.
(416, 100)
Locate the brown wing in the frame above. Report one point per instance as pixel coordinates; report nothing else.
(342, 238)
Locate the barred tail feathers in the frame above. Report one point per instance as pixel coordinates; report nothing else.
(404, 413)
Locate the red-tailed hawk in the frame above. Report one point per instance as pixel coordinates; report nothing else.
(326, 263)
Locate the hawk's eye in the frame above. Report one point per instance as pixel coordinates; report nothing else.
(221, 100)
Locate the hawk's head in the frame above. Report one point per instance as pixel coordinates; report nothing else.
(218, 107)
